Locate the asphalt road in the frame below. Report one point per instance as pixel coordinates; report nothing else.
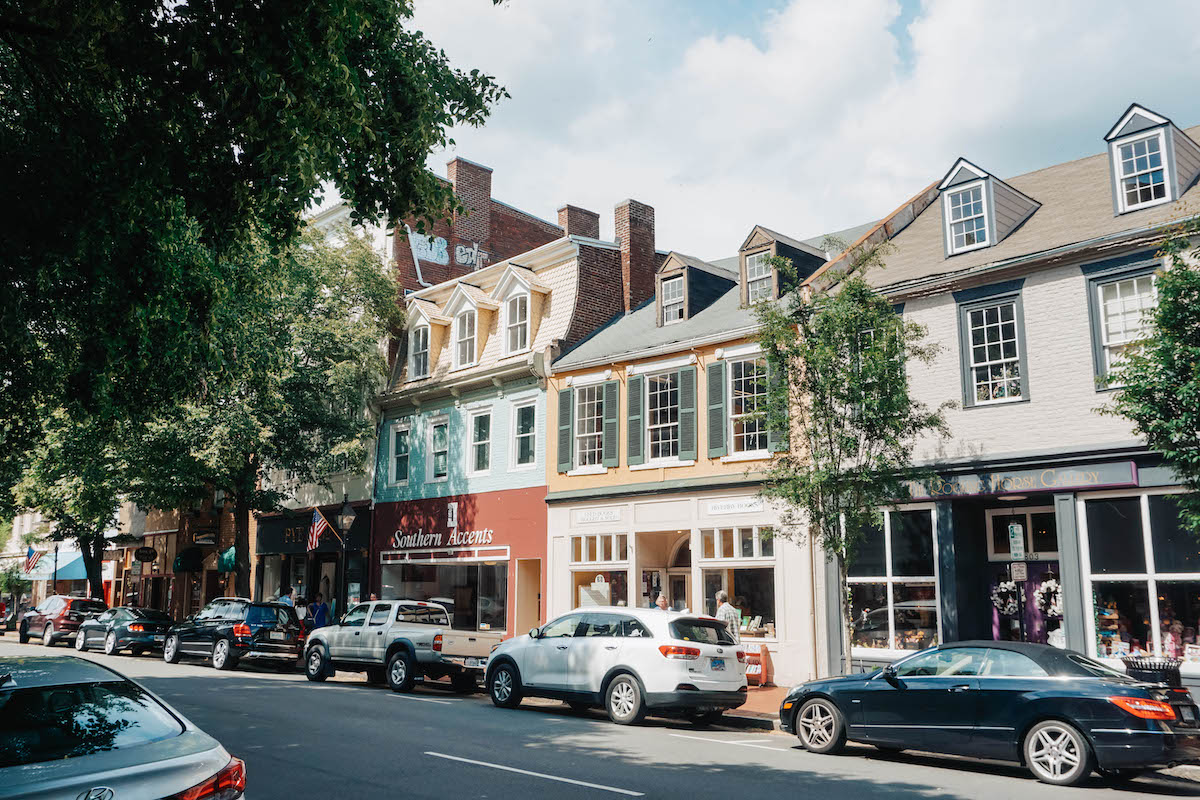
(344, 740)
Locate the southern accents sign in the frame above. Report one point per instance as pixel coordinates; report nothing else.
(1088, 476)
(422, 541)
(744, 505)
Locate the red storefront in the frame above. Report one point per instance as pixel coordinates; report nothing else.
(481, 555)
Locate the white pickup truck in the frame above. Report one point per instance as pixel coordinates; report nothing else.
(400, 641)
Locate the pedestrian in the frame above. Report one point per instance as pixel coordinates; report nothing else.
(285, 596)
(301, 607)
(729, 614)
(373, 597)
(319, 611)
(661, 602)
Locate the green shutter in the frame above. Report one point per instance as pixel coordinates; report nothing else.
(566, 404)
(717, 446)
(687, 414)
(611, 426)
(634, 433)
(775, 436)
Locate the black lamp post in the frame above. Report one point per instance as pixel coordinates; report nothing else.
(345, 519)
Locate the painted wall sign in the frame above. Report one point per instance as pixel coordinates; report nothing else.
(745, 505)
(594, 515)
(1088, 476)
(470, 256)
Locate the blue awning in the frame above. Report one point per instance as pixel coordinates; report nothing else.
(70, 567)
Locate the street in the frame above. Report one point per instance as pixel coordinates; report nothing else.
(345, 739)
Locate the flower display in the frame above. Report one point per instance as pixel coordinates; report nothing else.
(1004, 598)
(1048, 597)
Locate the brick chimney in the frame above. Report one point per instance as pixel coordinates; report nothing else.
(576, 221)
(634, 224)
(473, 185)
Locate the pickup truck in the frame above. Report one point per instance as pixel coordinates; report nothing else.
(399, 641)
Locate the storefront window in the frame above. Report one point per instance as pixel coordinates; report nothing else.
(912, 542)
(592, 588)
(599, 548)
(1038, 533)
(738, 543)
(751, 591)
(1115, 536)
(1175, 548)
(475, 595)
(1122, 618)
(893, 591)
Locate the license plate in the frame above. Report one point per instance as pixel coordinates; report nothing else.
(718, 664)
(1188, 714)
(278, 635)
(472, 662)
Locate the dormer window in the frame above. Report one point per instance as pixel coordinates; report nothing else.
(464, 339)
(967, 218)
(418, 359)
(1142, 178)
(758, 277)
(517, 323)
(672, 300)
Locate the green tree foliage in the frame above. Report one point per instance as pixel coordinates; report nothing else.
(306, 330)
(1160, 380)
(840, 390)
(138, 137)
(14, 583)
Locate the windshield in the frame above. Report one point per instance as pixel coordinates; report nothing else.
(150, 613)
(85, 606)
(48, 723)
(1096, 668)
(709, 631)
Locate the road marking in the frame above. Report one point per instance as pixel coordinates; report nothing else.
(422, 699)
(724, 741)
(571, 781)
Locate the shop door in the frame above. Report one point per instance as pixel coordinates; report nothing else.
(529, 594)
(679, 591)
(1024, 590)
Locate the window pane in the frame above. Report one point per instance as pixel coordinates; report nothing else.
(622, 547)
(606, 544)
(746, 540)
(912, 543)
(953, 661)
(709, 545)
(591, 548)
(868, 558)
(1042, 534)
(662, 417)
(576, 548)
(869, 612)
(1000, 523)
(1122, 618)
(1175, 548)
(727, 550)
(753, 593)
(1179, 618)
(915, 613)
(493, 594)
(766, 541)
(1114, 529)
(1013, 665)
(456, 587)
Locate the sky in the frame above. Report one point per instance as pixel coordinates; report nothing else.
(804, 116)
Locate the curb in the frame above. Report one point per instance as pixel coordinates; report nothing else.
(751, 721)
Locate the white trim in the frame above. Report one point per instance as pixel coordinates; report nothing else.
(757, 455)
(457, 338)
(664, 464)
(430, 454)
(590, 378)
(484, 553)
(1114, 149)
(393, 429)
(514, 449)
(595, 469)
(662, 366)
(948, 224)
(741, 351)
(1128, 115)
(962, 162)
(479, 411)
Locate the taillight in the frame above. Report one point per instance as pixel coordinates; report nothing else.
(1141, 707)
(228, 784)
(137, 627)
(241, 629)
(676, 651)
(437, 643)
(741, 656)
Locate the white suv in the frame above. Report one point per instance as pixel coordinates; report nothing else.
(628, 660)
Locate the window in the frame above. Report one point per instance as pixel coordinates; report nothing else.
(421, 615)
(726, 543)
(893, 584)
(701, 630)
(672, 300)
(357, 616)
(751, 591)
(994, 353)
(439, 449)
(562, 627)
(517, 327)
(966, 219)
(951, 662)
(475, 595)
(589, 426)
(400, 452)
(481, 443)
(662, 415)
(418, 364)
(605, 547)
(1124, 319)
(1038, 532)
(758, 277)
(1010, 664)
(604, 625)
(1140, 172)
(464, 338)
(524, 435)
(380, 614)
(748, 396)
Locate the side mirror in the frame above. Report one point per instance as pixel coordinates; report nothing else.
(889, 675)
(535, 633)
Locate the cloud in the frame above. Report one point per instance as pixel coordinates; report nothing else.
(806, 117)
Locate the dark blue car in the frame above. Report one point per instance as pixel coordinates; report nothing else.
(1060, 713)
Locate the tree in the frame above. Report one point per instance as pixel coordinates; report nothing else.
(1159, 379)
(839, 388)
(136, 137)
(304, 332)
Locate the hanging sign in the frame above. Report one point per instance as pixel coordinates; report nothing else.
(1020, 571)
(145, 554)
(1016, 541)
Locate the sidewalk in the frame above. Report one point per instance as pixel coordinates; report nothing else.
(761, 709)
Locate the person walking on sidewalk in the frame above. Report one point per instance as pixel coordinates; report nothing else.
(319, 612)
(727, 613)
(285, 596)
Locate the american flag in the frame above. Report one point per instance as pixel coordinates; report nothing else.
(31, 558)
(318, 527)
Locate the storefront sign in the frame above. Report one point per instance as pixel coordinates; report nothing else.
(1088, 476)
(145, 554)
(289, 534)
(205, 539)
(1016, 542)
(594, 515)
(422, 541)
(745, 505)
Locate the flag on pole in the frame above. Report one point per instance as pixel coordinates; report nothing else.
(31, 558)
(319, 526)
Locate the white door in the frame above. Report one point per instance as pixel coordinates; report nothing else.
(594, 652)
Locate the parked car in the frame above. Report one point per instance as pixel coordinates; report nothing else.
(75, 728)
(1058, 712)
(139, 629)
(400, 641)
(58, 617)
(627, 660)
(230, 629)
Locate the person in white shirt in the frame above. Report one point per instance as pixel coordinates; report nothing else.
(729, 614)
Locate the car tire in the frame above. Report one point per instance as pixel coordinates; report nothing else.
(504, 686)
(1057, 753)
(80, 641)
(222, 655)
(48, 635)
(401, 672)
(376, 675)
(464, 682)
(110, 644)
(316, 664)
(171, 650)
(623, 700)
(820, 726)
(23, 633)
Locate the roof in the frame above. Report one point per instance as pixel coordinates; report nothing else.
(1054, 660)
(719, 270)
(847, 235)
(29, 671)
(795, 244)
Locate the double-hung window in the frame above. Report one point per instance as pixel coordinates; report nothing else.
(758, 277)
(439, 449)
(966, 218)
(464, 337)
(1140, 173)
(993, 352)
(662, 415)
(589, 426)
(748, 402)
(517, 326)
(672, 300)
(481, 443)
(524, 435)
(400, 452)
(418, 364)
(1124, 305)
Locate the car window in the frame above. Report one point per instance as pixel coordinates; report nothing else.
(108, 615)
(208, 612)
(235, 610)
(710, 631)
(1007, 663)
(1093, 667)
(261, 615)
(952, 661)
(149, 613)
(562, 627)
(380, 614)
(356, 615)
(631, 628)
(287, 616)
(48, 723)
(421, 615)
(600, 625)
(88, 606)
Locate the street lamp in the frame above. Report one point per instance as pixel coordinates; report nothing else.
(345, 519)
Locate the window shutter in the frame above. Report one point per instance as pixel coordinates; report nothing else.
(633, 412)
(717, 446)
(687, 414)
(566, 405)
(611, 427)
(774, 434)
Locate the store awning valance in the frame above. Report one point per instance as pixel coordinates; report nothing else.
(190, 559)
(226, 560)
(70, 567)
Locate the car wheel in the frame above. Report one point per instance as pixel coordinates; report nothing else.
(48, 635)
(623, 700)
(504, 686)
(171, 650)
(1056, 753)
(316, 664)
(1121, 775)
(222, 658)
(80, 641)
(376, 675)
(23, 634)
(821, 726)
(400, 672)
(110, 644)
(464, 682)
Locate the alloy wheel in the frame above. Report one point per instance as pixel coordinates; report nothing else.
(110, 643)
(399, 671)
(220, 653)
(169, 648)
(1055, 752)
(624, 699)
(48, 635)
(816, 725)
(315, 662)
(502, 685)
(80, 641)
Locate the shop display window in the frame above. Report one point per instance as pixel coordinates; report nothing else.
(1175, 548)
(869, 611)
(912, 542)
(475, 595)
(893, 586)
(1115, 536)
(751, 591)
(593, 588)
(600, 548)
(1122, 618)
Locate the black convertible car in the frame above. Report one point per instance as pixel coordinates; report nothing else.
(1059, 713)
(138, 629)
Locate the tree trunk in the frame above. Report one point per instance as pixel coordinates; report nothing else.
(241, 544)
(92, 551)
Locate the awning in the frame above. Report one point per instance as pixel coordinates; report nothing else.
(70, 567)
(227, 560)
(190, 559)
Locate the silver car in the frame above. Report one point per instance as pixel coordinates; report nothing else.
(72, 728)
